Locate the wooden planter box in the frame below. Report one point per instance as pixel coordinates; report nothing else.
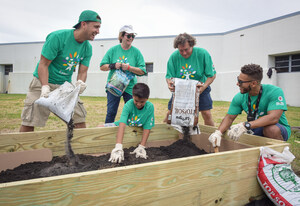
(224, 178)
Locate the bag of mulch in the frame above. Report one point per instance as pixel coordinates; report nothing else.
(185, 104)
(276, 177)
(119, 82)
(61, 101)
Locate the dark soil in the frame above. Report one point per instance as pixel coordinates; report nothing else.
(62, 165)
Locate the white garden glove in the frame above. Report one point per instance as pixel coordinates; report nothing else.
(82, 86)
(236, 131)
(117, 154)
(140, 152)
(215, 138)
(45, 91)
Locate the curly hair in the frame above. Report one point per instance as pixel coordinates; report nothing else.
(253, 70)
(182, 38)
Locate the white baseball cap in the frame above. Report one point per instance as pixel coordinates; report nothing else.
(128, 29)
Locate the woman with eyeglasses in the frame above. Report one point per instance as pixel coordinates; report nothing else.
(130, 62)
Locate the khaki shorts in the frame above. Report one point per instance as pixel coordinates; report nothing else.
(35, 115)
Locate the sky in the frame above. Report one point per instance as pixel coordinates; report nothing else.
(33, 20)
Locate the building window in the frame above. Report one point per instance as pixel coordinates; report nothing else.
(288, 63)
(7, 69)
(149, 67)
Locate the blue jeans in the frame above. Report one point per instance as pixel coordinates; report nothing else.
(113, 105)
(259, 131)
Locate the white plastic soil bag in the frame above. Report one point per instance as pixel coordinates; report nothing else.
(184, 107)
(276, 177)
(61, 101)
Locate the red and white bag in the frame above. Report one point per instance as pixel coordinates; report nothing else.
(276, 177)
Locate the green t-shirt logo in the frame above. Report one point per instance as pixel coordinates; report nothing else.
(123, 60)
(72, 61)
(187, 71)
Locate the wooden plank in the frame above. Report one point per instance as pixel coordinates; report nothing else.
(89, 140)
(232, 173)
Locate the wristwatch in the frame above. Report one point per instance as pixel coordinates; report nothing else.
(247, 125)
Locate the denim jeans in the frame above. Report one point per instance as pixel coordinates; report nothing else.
(113, 105)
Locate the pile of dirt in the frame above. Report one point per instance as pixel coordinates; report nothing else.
(61, 165)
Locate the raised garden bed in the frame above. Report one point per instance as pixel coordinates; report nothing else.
(225, 178)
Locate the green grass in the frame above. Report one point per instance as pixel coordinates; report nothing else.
(12, 104)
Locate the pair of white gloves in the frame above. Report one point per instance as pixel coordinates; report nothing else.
(234, 133)
(46, 88)
(117, 154)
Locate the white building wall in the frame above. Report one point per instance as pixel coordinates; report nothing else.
(230, 51)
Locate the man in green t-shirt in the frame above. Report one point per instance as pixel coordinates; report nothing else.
(189, 62)
(264, 105)
(62, 52)
(137, 112)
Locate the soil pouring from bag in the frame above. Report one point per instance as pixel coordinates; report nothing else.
(74, 163)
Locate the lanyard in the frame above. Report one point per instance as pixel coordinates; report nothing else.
(257, 103)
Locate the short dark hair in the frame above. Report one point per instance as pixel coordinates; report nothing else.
(141, 90)
(182, 38)
(78, 26)
(254, 71)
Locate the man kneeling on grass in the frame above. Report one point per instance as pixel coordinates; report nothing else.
(137, 112)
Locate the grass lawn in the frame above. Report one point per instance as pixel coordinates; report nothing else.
(12, 104)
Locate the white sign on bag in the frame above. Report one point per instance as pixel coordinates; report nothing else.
(183, 112)
(61, 101)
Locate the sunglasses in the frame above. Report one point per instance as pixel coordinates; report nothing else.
(130, 35)
(241, 82)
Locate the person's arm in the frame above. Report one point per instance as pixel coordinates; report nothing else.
(208, 82)
(43, 74)
(117, 154)
(107, 67)
(43, 70)
(226, 123)
(82, 73)
(81, 77)
(171, 85)
(145, 136)
(271, 118)
(120, 134)
(215, 138)
(132, 69)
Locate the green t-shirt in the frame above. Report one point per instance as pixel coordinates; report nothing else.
(272, 98)
(132, 56)
(198, 66)
(65, 53)
(134, 117)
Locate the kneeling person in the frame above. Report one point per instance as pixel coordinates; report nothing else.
(264, 105)
(137, 112)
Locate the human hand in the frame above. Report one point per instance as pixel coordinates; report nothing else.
(45, 91)
(199, 87)
(117, 154)
(171, 85)
(236, 131)
(125, 67)
(140, 152)
(82, 85)
(215, 138)
(118, 65)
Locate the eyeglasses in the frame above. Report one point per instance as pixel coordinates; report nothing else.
(130, 35)
(241, 82)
